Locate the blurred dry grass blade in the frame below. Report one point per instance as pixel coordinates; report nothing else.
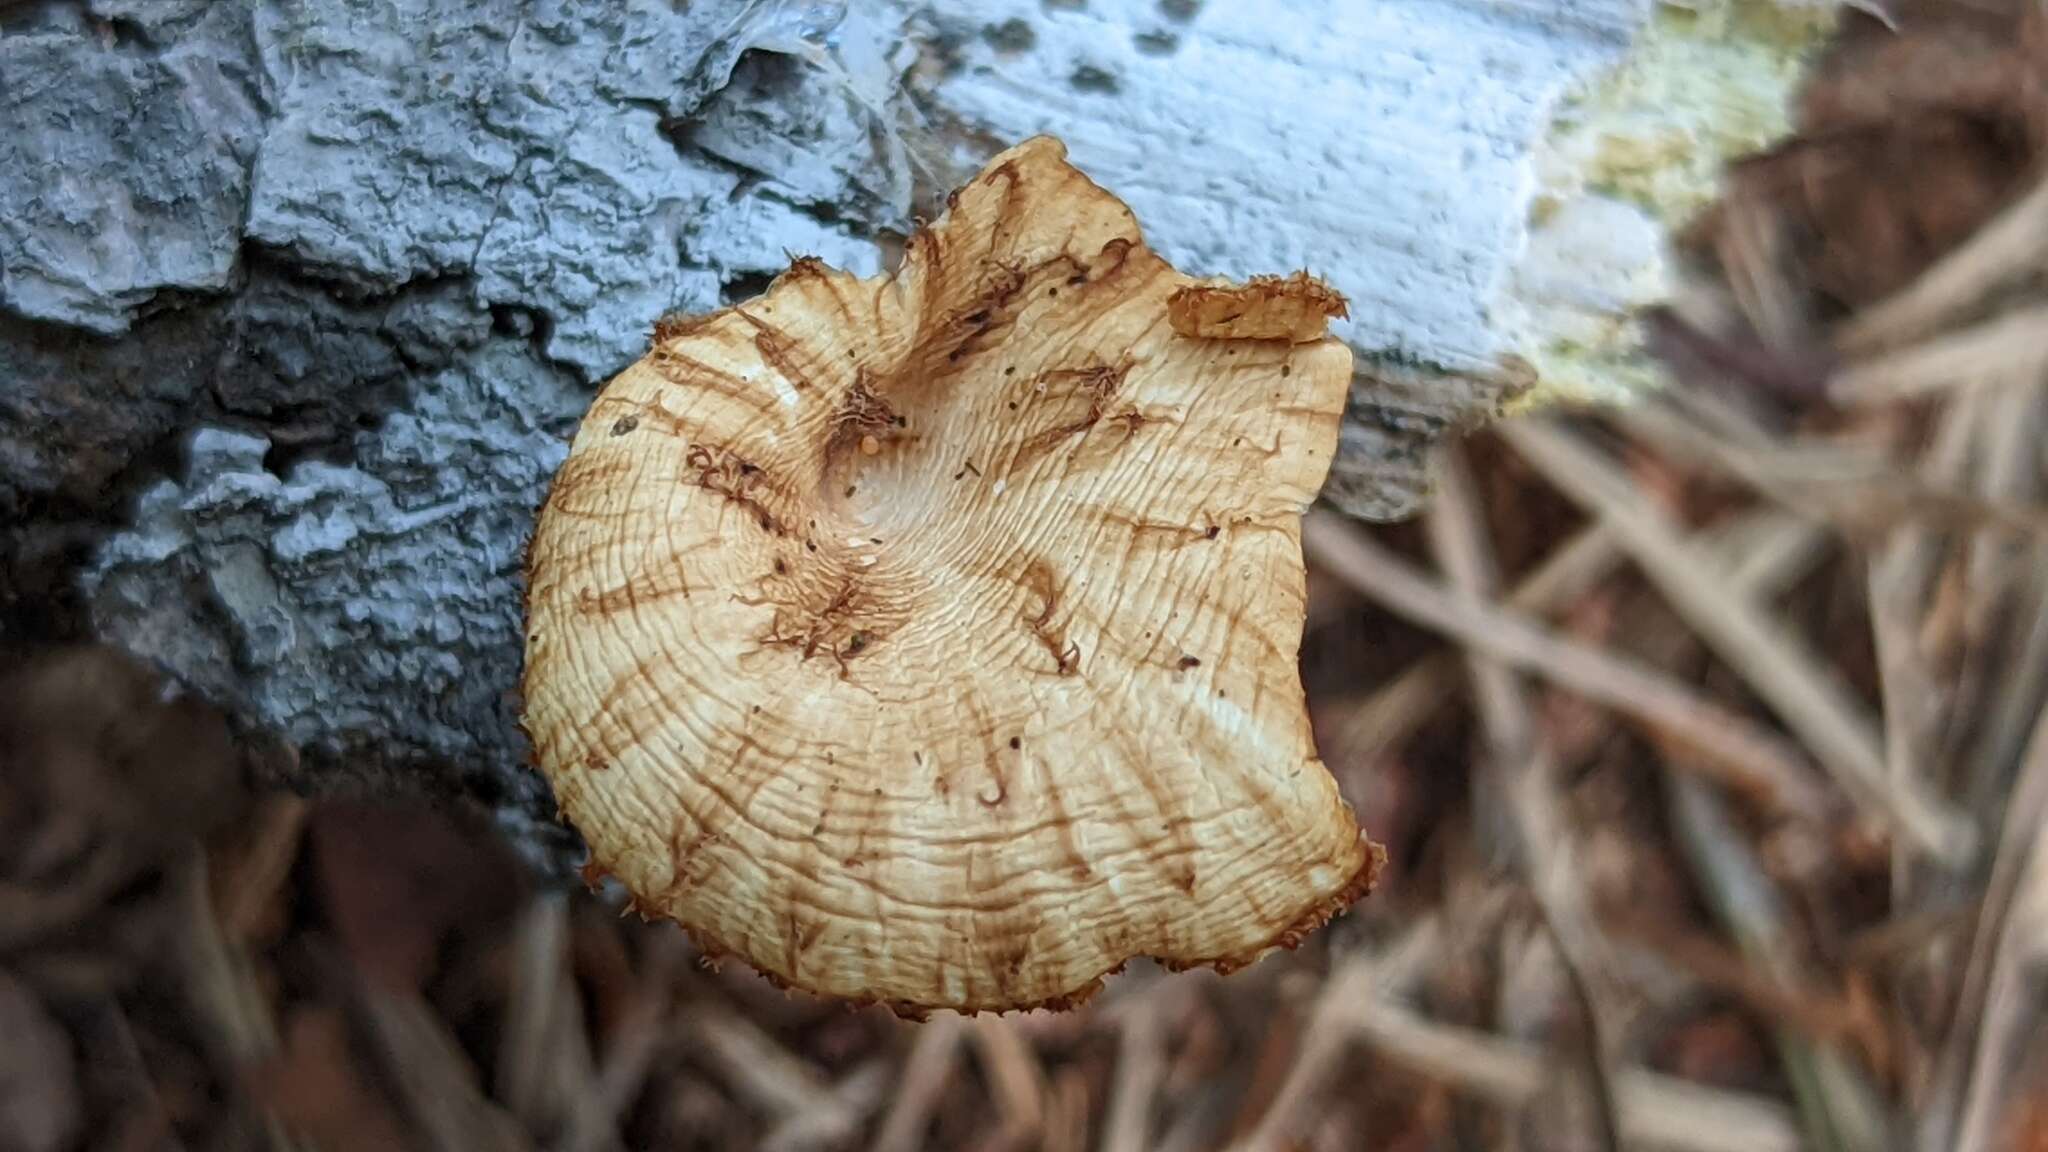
(2024, 687)
(1196, 1128)
(2009, 248)
(233, 1016)
(1066, 1116)
(1892, 940)
(1851, 487)
(633, 1045)
(1813, 1010)
(1838, 1104)
(1898, 581)
(1457, 537)
(1765, 550)
(2008, 351)
(1764, 545)
(1997, 690)
(541, 944)
(766, 1075)
(39, 1097)
(321, 1089)
(922, 1081)
(1016, 1078)
(248, 880)
(433, 1076)
(1656, 1112)
(1901, 582)
(1379, 722)
(1804, 693)
(2011, 933)
(1140, 1068)
(1346, 995)
(858, 1093)
(1753, 251)
(31, 913)
(545, 1073)
(1731, 749)
(1518, 771)
(2013, 1005)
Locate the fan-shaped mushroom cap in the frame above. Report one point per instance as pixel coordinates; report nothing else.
(932, 639)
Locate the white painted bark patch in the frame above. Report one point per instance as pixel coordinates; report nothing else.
(1384, 146)
(1491, 183)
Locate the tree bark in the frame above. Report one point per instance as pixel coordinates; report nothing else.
(302, 297)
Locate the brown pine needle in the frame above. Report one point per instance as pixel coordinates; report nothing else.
(1457, 537)
(856, 1096)
(1393, 711)
(1656, 1112)
(632, 1047)
(1837, 1103)
(1898, 582)
(2005, 584)
(1017, 1079)
(924, 1079)
(2012, 922)
(2003, 738)
(1140, 1069)
(1706, 959)
(544, 1071)
(2012, 1002)
(1897, 940)
(247, 880)
(1346, 995)
(1730, 748)
(1775, 546)
(2011, 349)
(1519, 771)
(757, 1067)
(1066, 1112)
(1805, 694)
(432, 1076)
(1854, 487)
(2007, 249)
(1901, 582)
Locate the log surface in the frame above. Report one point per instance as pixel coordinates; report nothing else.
(299, 298)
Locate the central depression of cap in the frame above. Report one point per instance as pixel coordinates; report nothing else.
(932, 639)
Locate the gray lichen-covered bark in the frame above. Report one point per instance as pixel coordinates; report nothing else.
(299, 298)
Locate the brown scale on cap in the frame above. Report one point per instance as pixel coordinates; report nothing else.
(1295, 308)
(899, 731)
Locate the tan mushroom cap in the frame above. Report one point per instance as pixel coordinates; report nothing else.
(932, 639)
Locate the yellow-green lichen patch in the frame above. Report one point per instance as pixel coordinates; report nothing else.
(1627, 160)
(1704, 84)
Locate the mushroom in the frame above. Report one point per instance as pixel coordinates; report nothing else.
(1297, 307)
(932, 639)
